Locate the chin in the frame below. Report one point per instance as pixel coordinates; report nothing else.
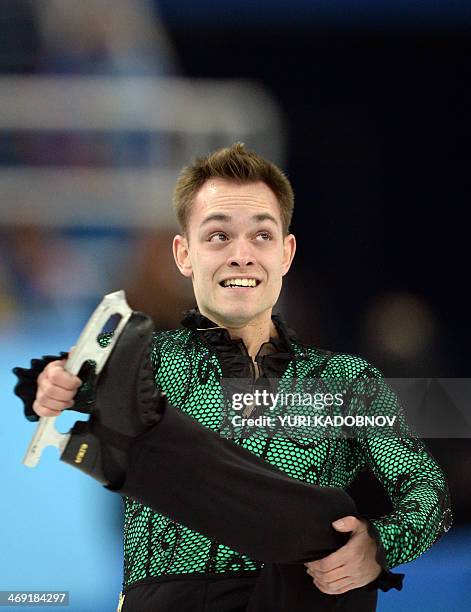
(238, 316)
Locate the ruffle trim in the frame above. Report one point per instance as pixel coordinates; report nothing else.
(386, 580)
(235, 360)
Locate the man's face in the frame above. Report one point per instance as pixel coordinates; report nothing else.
(234, 233)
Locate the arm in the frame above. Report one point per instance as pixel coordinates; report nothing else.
(414, 482)
(412, 479)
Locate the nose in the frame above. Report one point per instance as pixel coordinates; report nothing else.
(241, 254)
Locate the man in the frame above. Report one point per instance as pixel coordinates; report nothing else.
(235, 209)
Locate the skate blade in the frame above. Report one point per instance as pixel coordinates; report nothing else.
(86, 348)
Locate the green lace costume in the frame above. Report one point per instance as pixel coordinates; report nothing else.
(189, 364)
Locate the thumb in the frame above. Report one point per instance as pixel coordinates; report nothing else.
(347, 523)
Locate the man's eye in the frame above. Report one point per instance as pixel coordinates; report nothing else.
(263, 236)
(218, 237)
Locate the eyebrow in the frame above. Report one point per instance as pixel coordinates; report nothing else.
(227, 218)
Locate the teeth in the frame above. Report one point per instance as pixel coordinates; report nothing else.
(240, 282)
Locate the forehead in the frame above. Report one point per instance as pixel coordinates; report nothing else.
(237, 200)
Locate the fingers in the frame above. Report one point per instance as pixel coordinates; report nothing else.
(337, 587)
(56, 389)
(350, 567)
(332, 582)
(328, 577)
(43, 411)
(54, 392)
(332, 561)
(55, 374)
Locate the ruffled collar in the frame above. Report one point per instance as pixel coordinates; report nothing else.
(233, 353)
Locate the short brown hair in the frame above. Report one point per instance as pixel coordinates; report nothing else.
(236, 164)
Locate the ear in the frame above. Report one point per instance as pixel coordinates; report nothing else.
(289, 249)
(181, 253)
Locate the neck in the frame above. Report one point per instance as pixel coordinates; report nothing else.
(253, 334)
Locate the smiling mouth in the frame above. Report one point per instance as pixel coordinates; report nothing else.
(240, 283)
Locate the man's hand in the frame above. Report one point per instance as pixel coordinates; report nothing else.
(56, 389)
(349, 567)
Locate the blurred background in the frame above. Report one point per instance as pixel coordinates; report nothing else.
(365, 104)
